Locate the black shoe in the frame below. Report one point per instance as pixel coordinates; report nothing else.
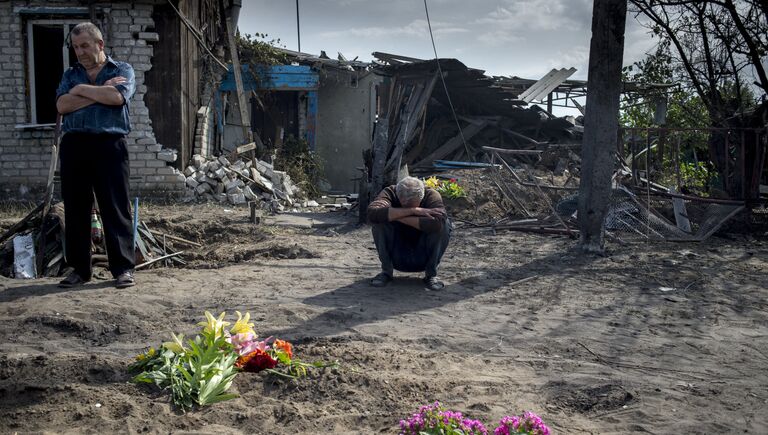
(381, 279)
(72, 280)
(125, 279)
(431, 283)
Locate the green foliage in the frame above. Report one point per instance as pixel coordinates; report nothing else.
(200, 375)
(446, 188)
(256, 49)
(303, 165)
(697, 177)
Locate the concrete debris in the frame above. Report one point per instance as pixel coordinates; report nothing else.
(167, 155)
(238, 182)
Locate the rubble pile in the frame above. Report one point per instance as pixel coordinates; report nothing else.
(218, 179)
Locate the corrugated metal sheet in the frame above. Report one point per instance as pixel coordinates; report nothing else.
(547, 84)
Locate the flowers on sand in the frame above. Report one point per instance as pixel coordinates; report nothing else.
(447, 188)
(436, 419)
(201, 370)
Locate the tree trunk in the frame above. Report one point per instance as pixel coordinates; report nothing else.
(601, 120)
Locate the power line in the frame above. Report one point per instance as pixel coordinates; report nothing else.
(445, 87)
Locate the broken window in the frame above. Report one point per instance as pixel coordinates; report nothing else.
(47, 57)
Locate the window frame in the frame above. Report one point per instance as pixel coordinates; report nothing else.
(65, 23)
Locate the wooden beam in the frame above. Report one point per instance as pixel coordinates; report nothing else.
(455, 142)
(245, 118)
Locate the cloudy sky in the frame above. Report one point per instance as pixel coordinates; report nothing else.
(524, 38)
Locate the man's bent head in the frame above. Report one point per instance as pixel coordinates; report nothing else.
(410, 191)
(88, 44)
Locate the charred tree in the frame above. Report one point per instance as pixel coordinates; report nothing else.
(601, 120)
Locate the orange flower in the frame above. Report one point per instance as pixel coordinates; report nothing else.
(285, 347)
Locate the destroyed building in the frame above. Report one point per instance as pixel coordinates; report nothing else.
(330, 103)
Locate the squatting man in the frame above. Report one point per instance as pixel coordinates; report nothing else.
(411, 231)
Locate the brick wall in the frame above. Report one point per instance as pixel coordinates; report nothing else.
(25, 152)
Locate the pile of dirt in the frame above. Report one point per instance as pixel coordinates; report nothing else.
(495, 194)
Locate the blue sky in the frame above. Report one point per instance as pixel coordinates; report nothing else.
(524, 38)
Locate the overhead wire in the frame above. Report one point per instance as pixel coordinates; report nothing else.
(445, 87)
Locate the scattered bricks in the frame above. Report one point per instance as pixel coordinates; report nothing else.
(263, 167)
(234, 190)
(190, 171)
(240, 183)
(220, 174)
(204, 168)
(192, 183)
(201, 178)
(220, 188)
(248, 192)
(220, 197)
(312, 203)
(154, 148)
(237, 166)
(278, 177)
(230, 184)
(214, 165)
(211, 181)
(203, 188)
(236, 198)
(198, 161)
(223, 160)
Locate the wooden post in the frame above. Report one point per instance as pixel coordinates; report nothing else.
(245, 118)
(601, 120)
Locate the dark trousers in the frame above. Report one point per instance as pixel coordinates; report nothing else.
(96, 164)
(407, 249)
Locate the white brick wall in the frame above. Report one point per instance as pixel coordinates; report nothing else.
(25, 153)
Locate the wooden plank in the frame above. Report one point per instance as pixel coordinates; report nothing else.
(519, 152)
(247, 147)
(453, 143)
(681, 214)
(406, 120)
(245, 118)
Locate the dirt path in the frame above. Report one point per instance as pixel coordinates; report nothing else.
(664, 338)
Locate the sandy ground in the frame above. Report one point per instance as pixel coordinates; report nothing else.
(657, 338)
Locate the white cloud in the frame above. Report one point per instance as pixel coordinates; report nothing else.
(537, 15)
(499, 37)
(417, 28)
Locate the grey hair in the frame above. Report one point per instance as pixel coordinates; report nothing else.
(409, 189)
(91, 29)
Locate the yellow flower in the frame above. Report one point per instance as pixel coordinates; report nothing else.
(213, 325)
(177, 345)
(432, 182)
(149, 354)
(242, 324)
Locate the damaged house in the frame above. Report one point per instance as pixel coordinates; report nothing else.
(330, 103)
(169, 44)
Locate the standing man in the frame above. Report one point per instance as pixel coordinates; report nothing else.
(93, 97)
(411, 231)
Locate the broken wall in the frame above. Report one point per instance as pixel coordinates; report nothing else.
(346, 113)
(25, 141)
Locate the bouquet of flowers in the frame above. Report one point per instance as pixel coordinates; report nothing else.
(200, 371)
(435, 419)
(529, 424)
(447, 188)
